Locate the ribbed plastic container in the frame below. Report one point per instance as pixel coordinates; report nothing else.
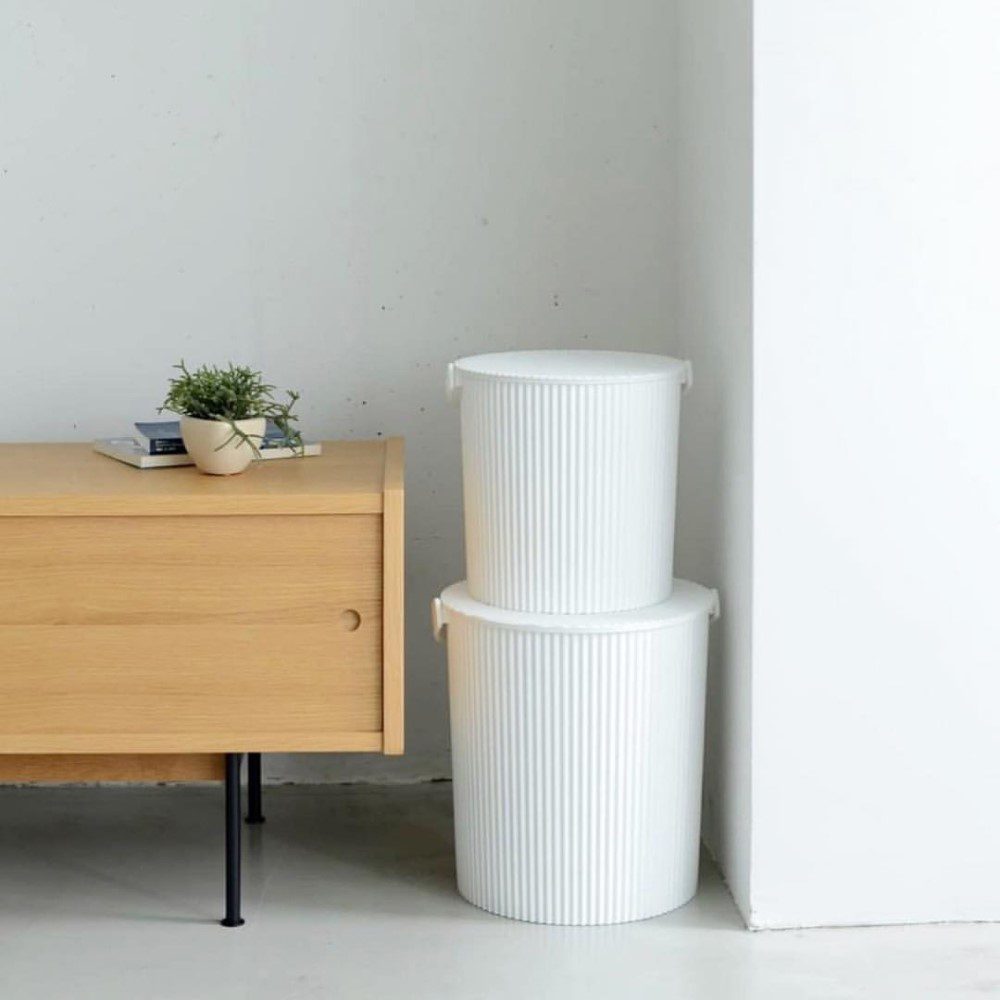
(576, 756)
(569, 463)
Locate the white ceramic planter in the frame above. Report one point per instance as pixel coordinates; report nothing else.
(569, 468)
(577, 756)
(208, 443)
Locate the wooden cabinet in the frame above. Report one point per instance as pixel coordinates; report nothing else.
(151, 621)
(163, 611)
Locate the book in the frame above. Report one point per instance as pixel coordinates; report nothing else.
(163, 437)
(159, 437)
(132, 452)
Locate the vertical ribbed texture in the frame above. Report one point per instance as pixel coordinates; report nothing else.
(569, 493)
(577, 769)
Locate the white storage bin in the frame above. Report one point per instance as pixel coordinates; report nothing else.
(576, 756)
(569, 464)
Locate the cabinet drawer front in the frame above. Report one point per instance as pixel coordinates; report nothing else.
(191, 570)
(199, 688)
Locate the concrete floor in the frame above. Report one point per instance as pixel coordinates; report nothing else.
(349, 892)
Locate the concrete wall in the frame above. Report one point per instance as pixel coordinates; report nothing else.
(713, 275)
(346, 194)
(876, 749)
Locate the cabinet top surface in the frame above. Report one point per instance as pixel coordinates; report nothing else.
(349, 477)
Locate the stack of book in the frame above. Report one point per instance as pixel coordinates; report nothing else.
(158, 444)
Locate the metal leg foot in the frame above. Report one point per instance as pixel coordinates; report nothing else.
(232, 918)
(254, 804)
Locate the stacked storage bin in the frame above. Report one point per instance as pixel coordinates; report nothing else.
(576, 664)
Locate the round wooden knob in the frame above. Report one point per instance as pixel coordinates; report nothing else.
(350, 620)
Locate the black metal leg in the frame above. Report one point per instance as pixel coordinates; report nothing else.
(254, 806)
(232, 918)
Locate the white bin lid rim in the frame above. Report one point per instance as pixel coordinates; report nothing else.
(685, 602)
(573, 366)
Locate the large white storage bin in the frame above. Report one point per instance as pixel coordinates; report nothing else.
(576, 756)
(569, 463)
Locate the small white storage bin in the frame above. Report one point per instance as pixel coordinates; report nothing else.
(569, 462)
(577, 756)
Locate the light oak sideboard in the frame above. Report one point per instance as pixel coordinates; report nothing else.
(159, 624)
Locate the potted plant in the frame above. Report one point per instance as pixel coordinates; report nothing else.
(224, 413)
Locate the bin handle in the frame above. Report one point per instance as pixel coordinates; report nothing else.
(438, 622)
(715, 608)
(452, 387)
(687, 379)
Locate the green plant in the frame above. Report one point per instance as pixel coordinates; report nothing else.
(231, 394)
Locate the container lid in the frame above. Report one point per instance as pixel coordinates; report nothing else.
(574, 366)
(685, 602)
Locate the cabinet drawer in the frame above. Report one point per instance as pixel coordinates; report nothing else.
(190, 570)
(190, 634)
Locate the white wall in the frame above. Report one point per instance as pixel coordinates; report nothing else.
(713, 248)
(346, 194)
(876, 679)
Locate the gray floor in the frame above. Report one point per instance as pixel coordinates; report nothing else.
(349, 892)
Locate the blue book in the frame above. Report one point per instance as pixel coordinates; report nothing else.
(160, 437)
(274, 437)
